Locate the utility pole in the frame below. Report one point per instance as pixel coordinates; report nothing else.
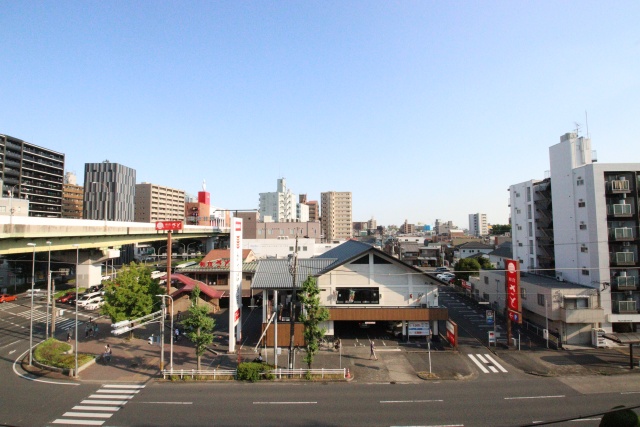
(293, 271)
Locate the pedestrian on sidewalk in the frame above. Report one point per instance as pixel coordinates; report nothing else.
(95, 330)
(68, 335)
(107, 353)
(373, 351)
(177, 334)
(86, 331)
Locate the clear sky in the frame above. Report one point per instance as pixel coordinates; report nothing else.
(422, 109)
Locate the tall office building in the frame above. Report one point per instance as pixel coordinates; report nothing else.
(278, 206)
(158, 203)
(109, 192)
(336, 215)
(33, 172)
(593, 218)
(478, 225)
(72, 196)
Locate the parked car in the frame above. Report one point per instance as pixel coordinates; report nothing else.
(7, 298)
(72, 298)
(442, 269)
(89, 298)
(446, 276)
(394, 328)
(97, 303)
(66, 297)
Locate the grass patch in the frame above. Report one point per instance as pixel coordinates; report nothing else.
(53, 353)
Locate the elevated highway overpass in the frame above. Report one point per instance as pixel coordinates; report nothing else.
(64, 234)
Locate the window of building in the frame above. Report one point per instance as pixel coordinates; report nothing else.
(584, 249)
(580, 181)
(270, 231)
(583, 226)
(585, 272)
(290, 248)
(304, 248)
(581, 204)
(281, 231)
(358, 296)
(541, 299)
(260, 232)
(520, 244)
(247, 278)
(523, 293)
(486, 280)
(291, 231)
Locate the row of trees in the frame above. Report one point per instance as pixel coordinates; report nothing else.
(135, 294)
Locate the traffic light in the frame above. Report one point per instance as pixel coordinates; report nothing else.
(121, 327)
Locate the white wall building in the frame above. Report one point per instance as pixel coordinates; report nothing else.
(478, 225)
(280, 205)
(595, 221)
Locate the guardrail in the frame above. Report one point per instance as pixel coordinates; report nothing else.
(193, 373)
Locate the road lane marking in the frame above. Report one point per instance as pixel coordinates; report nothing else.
(534, 397)
(411, 401)
(496, 364)
(171, 403)
(110, 396)
(478, 364)
(285, 403)
(630, 392)
(80, 422)
(123, 386)
(86, 414)
(11, 343)
(103, 402)
(96, 408)
(118, 391)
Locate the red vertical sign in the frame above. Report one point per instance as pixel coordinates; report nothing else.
(514, 304)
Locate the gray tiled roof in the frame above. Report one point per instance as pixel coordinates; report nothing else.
(274, 273)
(346, 251)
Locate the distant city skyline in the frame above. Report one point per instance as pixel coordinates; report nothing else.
(421, 110)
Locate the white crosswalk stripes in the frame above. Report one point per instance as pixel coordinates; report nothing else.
(99, 406)
(487, 363)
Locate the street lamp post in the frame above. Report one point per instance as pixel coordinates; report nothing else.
(546, 318)
(164, 308)
(192, 243)
(33, 273)
(75, 372)
(48, 288)
(293, 270)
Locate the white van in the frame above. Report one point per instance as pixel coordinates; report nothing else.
(87, 297)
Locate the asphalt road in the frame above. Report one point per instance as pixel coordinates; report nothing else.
(486, 400)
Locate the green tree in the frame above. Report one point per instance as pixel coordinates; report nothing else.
(199, 325)
(500, 229)
(131, 295)
(311, 317)
(467, 267)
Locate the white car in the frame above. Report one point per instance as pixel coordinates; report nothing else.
(86, 300)
(446, 276)
(94, 305)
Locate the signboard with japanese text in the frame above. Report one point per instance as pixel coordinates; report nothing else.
(168, 225)
(235, 284)
(512, 279)
(420, 329)
(452, 333)
(490, 317)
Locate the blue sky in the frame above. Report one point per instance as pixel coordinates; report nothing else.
(422, 110)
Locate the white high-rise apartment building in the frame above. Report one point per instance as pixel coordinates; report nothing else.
(336, 215)
(478, 224)
(279, 206)
(585, 217)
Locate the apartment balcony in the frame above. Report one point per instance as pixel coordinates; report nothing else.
(620, 210)
(626, 307)
(623, 258)
(621, 234)
(618, 186)
(626, 283)
(582, 315)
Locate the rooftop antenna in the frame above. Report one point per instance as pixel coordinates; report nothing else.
(586, 121)
(577, 128)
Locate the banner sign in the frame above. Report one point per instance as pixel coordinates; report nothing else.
(235, 284)
(169, 225)
(512, 279)
(452, 333)
(490, 317)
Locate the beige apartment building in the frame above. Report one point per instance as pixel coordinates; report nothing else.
(157, 203)
(72, 199)
(336, 215)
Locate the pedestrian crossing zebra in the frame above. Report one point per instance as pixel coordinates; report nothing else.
(39, 316)
(487, 363)
(96, 409)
